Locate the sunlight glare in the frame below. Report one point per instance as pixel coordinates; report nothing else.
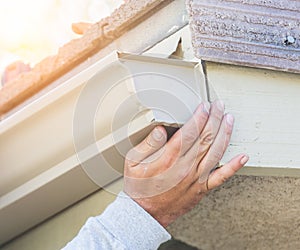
(31, 30)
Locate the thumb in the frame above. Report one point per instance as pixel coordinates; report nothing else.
(152, 143)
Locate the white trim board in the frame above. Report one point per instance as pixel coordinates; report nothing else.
(266, 107)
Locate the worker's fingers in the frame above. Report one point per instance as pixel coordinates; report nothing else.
(217, 149)
(212, 126)
(222, 174)
(152, 143)
(185, 137)
(196, 153)
(179, 143)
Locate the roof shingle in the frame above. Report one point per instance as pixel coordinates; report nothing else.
(76, 51)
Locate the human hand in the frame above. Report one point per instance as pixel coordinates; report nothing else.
(169, 178)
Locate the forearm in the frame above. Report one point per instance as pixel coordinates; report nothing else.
(123, 225)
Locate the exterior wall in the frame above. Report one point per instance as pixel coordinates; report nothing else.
(248, 212)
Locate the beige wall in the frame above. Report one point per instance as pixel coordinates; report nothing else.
(248, 212)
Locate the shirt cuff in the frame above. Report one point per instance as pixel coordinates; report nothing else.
(132, 225)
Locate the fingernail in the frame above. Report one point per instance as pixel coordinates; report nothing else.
(220, 105)
(244, 160)
(206, 107)
(157, 134)
(230, 119)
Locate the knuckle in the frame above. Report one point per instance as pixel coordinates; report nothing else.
(130, 163)
(207, 138)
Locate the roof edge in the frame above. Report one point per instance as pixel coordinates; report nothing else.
(98, 36)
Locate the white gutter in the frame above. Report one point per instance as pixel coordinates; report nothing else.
(119, 97)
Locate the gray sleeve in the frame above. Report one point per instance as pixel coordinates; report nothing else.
(123, 225)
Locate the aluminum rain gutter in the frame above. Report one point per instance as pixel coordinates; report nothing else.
(72, 140)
